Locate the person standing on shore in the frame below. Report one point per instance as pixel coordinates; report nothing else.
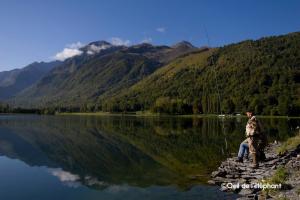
(255, 143)
(256, 139)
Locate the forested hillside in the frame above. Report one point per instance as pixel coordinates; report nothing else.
(262, 75)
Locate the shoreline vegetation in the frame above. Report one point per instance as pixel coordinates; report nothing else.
(151, 114)
(139, 114)
(7, 109)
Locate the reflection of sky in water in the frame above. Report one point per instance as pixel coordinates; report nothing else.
(73, 180)
(20, 181)
(67, 178)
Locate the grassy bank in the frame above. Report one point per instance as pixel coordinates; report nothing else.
(290, 144)
(286, 175)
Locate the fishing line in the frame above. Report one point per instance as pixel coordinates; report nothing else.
(218, 90)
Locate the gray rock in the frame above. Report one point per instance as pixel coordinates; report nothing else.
(242, 180)
(273, 167)
(224, 189)
(229, 176)
(246, 177)
(245, 192)
(218, 173)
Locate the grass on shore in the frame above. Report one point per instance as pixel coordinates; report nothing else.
(279, 177)
(290, 144)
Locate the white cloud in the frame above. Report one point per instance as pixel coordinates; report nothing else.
(119, 42)
(92, 49)
(71, 50)
(65, 177)
(147, 40)
(67, 53)
(91, 181)
(90, 52)
(161, 29)
(75, 45)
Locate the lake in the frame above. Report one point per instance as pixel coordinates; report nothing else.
(119, 157)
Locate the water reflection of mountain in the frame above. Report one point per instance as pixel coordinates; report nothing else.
(102, 151)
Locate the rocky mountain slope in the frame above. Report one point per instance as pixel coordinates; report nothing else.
(14, 81)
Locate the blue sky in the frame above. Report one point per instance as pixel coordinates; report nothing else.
(36, 30)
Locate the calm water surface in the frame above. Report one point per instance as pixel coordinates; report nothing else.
(86, 157)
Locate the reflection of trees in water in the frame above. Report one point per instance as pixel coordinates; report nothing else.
(136, 151)
(187, 146)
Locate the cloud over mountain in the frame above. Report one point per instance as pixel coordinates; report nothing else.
(67, 53)
(70, 51)
(119, 42)
(92, 49)
(75, 45)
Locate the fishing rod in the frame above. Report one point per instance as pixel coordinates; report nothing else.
(218, 91)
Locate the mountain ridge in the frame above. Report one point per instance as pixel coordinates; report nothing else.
(86, 76)
(14, 81)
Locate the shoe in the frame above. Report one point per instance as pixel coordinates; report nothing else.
(255, 161)
(247, 157)
(239, 159)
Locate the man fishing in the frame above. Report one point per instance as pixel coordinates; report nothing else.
(255, 143)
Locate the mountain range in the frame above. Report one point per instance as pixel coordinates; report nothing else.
(14, 81)
(262, 75)
(102, 69)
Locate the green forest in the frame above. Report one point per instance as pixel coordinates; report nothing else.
(262, 75)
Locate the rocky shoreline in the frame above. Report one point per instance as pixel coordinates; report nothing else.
(240, 178)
